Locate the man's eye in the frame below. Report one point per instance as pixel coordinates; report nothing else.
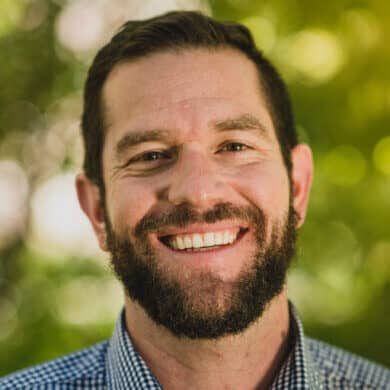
(152, 156)
(234, 147)
(149, 159)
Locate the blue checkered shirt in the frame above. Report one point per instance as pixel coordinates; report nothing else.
(115, 364)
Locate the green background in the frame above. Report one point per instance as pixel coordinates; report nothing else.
(335, 58)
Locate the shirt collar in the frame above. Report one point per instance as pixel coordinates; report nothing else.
(126, 368)
(298, 370)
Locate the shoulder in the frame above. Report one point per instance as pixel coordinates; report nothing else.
(83, 369)
(342, 369)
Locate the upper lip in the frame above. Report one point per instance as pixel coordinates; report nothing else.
(202, 228)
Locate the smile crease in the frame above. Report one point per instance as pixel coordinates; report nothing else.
(197, 241)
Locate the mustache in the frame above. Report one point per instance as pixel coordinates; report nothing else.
(185, 215)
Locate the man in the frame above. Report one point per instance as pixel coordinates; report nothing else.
(195, 183)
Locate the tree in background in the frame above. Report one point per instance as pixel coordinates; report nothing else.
(56, 292)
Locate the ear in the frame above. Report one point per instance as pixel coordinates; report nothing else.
(302, 177)
(89, 197)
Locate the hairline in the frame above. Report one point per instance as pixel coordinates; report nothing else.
(178, 49)
(224, 35)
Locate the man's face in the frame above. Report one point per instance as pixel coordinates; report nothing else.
(198, 212)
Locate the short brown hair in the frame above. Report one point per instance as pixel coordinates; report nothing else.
(176, 31)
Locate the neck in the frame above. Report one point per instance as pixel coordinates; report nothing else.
(250, 360)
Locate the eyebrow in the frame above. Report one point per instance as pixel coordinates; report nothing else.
(243, 122)
(136, 137)
(140, 136)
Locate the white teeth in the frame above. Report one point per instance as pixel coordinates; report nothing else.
(197, 240)
(187, 242)
(179, 242)
(218, 237)
(208, 239)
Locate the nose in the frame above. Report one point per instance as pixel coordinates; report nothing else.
(197, 181)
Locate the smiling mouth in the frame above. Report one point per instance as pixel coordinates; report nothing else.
(202, 241)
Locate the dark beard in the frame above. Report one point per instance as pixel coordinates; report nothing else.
(199, 304)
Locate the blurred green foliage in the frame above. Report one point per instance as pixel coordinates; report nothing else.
(335, 58)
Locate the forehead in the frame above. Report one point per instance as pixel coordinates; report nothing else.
(184, 89)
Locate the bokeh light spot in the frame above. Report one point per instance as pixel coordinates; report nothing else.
(35, 14)
(80, 25)
(85, 25)
(150, 8)
(11, 12)
(381, 156)
(58, 224)
(89, 300)
(315, 55)
(345, 165)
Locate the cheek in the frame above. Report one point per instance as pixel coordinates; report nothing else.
(128, 203)
(266, 186)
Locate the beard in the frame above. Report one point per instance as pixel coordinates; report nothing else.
(199, 304)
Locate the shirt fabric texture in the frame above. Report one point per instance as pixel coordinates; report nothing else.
(115, 365)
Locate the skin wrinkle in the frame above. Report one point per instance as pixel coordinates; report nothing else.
(243, 124)
(135, 137)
